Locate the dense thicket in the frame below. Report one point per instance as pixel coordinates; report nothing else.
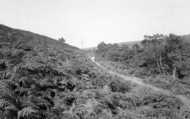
(157, 54)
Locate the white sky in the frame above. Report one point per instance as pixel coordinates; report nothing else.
(89, 22)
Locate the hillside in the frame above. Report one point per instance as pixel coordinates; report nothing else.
(42, 78)
(161, 61)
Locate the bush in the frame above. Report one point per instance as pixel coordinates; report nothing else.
(120, 86)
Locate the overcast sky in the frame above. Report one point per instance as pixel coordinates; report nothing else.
(85, 23)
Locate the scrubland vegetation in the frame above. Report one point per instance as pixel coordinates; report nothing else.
(156, 56)
(160, 60)
(41, 78)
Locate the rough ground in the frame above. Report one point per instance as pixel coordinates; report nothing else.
(139, 81)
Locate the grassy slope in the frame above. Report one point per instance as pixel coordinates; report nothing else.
(42, 69)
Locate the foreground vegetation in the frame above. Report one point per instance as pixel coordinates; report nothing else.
(41, 78)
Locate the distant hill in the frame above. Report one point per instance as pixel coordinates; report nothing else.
(129, 43)
(186, 37)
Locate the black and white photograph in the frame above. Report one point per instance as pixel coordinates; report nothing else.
(94, 59)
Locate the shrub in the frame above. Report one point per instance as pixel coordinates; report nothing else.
(120, 86)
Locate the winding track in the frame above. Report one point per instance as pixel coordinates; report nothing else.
(139, 81)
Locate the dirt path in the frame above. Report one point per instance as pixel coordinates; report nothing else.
(139, 81)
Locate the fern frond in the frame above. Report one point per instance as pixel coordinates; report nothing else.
(3, 103)
(27, 112)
